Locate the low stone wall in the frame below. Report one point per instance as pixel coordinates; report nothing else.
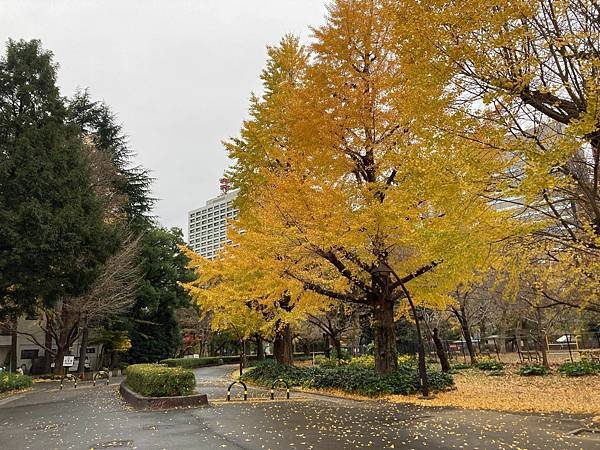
(139, 401)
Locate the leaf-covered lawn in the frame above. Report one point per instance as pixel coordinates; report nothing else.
(511, 392)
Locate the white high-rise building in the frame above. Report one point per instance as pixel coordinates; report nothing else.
(207, 226)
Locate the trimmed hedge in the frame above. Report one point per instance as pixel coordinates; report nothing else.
(152, 380)
(13, 381)
(354, 377)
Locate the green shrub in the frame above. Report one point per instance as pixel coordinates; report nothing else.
(579, 368)
(489, 364)
(321, 359)
(528, 370)
(153, 380)
(355, 377)
(460, 366)
(13, 381)
(404, 360)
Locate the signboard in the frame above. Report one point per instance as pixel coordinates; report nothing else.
(196, 356)
(68, 361)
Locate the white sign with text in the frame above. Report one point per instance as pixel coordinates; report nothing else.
(68, 361)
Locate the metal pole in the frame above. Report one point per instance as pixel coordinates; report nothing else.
(496, 347)
(241, 356)
(569, 346)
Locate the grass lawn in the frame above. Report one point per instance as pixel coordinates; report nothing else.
(512, 392)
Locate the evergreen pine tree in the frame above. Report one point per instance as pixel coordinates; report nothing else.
(52, 237)
(154, 331)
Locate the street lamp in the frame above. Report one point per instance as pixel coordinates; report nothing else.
(383, 268)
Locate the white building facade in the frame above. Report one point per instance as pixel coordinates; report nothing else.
(207, 226)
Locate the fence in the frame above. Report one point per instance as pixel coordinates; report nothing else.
(529, 346)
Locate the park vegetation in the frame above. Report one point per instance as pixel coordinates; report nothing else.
(154, 380)
(358, 376)
(14, 381)
(79, 249)
(418, 163)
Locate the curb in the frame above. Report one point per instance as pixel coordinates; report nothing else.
(316, 393)
(139, 401)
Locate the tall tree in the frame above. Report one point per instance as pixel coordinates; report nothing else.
(153, 326)
(533, 69)
(245, 295)
(52, 236)
(339, 321)
(345, 170)
(132, 183)
(111, 294)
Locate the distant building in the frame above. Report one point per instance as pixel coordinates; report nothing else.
(30, 354)
(207, 226)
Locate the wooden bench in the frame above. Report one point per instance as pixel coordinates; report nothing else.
(531, 356)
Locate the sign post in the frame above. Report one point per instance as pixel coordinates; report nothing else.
(68, 361)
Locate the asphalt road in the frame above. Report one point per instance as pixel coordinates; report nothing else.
(95, 417)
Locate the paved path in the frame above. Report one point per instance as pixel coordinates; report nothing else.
(214, 382)
(87, 417)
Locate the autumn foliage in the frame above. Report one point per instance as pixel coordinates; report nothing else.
(373, 164)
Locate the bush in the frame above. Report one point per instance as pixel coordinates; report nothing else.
(368, 361)
(460, 366)
(405, 360)
(152, 380)
(528, 370)
(489, 364)
(356, 377)
(13, 381)
(579, 368)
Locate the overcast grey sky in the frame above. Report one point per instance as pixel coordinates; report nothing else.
(177, 72)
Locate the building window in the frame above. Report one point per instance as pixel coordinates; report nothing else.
(30, 353)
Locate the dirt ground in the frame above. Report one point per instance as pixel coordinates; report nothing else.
(511, 392)
(554, 357)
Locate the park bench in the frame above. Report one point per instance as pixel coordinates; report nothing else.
(530, 356)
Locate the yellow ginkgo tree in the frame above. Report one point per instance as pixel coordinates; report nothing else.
(533, 68)
(348, 177)
(244, 294)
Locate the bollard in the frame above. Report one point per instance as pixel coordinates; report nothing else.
(102, 374)
(231, 385)
(69, 377)
(287, 388)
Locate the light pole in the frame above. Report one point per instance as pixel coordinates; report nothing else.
(384, 269)
(243, 355)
